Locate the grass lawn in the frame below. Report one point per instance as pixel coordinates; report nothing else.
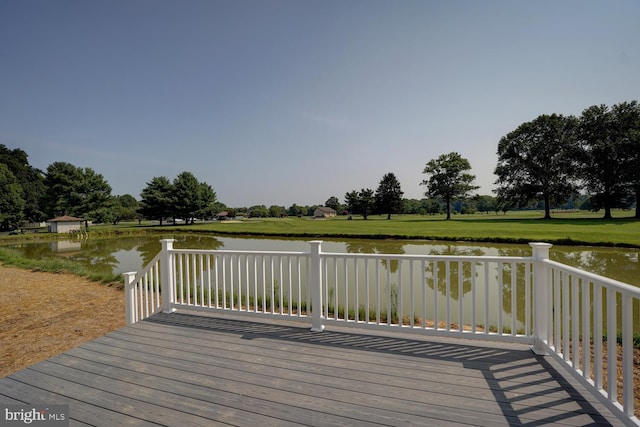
(571, 228)
(517, 227)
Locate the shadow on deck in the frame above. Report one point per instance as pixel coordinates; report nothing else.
(188, 370)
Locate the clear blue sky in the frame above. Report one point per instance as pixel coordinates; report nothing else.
(282, 102)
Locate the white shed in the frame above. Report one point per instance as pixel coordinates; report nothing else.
(65, 224)
(324, 212)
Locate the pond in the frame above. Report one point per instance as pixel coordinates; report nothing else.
(132, 253)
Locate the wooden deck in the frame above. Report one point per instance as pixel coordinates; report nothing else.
(187, 370)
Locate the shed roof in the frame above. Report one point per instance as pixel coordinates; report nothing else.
(326, 209)
(65, 218)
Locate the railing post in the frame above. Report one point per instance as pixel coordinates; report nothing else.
(129, 298)
(167, 276)
(316, 286)
(540, 298)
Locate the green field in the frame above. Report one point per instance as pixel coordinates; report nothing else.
(519, 227)
(567, 228)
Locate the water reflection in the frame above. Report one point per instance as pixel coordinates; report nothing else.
(113, 255)
(377, 247)
(458, 272)
(496, 290)
(130, 253)
(60, 246)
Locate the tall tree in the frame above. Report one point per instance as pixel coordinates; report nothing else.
(361, 202)
(604, 158)
(351, 199)
(448, 178)
(11, 201)
(626, 125)
(366, 201)
(30, 179)
(333, 203)
(94, 193)
(206, 202)
(258, 211)
(294, 210)
(486, 203)
(276, 211)
(156, 201)
(389, 195)
(75, 191)
(60, 197)
(186, 196)
(125, 208)
(537, 161)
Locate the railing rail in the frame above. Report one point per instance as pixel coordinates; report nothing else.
(558, 309)
(587, 309)
(241, 281)
(484, 296)
(142, 291)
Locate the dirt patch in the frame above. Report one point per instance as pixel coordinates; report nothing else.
(44, 314)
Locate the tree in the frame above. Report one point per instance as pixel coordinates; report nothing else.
(258, 211)
(448, 178)
(486, 203)
(537, 161)
(626, 124)
(191, 198)
(276, 211)
(294, 210)
(30, 179)
(94, 194)
(60, 197)
(333, 203)
(361, 202)
(218, 207)
(156, 199)
(185, 196)
(206, 202)
(431, 206)
(11, 201)
(411, 206)
(125, 208)
(604, 157)
(366, 201)
(351, 199)
(70, 190)
(389, 195)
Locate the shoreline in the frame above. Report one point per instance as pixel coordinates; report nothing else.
(305, 235)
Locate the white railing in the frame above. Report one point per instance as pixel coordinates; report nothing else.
(581, 311)
(557, 309)
(143, 291)
(241, 281)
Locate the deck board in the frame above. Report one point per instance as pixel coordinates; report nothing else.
(183, 369)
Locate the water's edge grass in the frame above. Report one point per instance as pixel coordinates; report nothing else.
(518, 228)
(53, 264)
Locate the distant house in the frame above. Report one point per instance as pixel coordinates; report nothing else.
(324, 212)
(64, 224)
(222, 216)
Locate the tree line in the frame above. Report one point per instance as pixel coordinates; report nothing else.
(554, 157)
(30, 195)
(587, 162)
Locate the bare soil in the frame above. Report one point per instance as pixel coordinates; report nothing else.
(44, 314)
